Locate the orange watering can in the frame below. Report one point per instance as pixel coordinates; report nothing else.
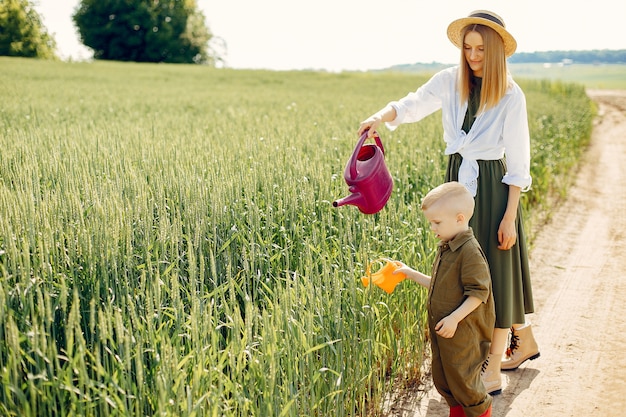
(367, 176)
(384, 277)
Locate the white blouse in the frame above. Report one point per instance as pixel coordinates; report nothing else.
(499, 131)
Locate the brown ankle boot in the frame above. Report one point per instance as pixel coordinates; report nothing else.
(522, 348)
(490, 374)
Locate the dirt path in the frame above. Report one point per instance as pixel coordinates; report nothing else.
(578, 264)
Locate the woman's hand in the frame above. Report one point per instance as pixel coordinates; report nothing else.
(370, 123)
(507, 234)
(387, 114)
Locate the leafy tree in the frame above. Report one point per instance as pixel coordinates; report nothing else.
(144, 30)
(22, 33)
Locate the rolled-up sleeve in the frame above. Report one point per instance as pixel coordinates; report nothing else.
(475, 276)
(517, 143)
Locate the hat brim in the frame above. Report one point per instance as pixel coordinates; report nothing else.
(455, 32)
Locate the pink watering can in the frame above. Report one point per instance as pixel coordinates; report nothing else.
(367, 176)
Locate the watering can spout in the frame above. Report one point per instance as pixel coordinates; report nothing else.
(355, 199)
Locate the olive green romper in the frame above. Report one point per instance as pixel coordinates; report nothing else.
(460, 270)
(509, 269)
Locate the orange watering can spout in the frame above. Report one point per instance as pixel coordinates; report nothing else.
(384, 277)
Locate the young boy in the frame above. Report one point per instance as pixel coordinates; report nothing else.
(461, 314)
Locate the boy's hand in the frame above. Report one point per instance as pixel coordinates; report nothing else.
(412, 274)
(447, 326)
(401, 268)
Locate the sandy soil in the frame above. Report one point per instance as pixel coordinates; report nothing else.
(578, 264)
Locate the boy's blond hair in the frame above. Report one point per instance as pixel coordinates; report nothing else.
(454, 195)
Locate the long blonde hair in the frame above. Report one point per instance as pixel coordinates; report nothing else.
(495, 72)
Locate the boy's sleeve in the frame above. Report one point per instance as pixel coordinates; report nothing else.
(475, 276)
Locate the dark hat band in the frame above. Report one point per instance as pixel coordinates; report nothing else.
(488, 17)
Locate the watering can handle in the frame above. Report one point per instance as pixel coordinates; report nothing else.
(357, 148)
(368, 267)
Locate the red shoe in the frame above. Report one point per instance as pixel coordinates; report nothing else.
(487, 413)
(457, 411)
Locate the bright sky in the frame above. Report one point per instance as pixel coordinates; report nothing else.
(337, 35)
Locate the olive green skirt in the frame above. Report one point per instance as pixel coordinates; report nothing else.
(510, 274)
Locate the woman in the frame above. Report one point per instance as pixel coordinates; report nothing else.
(486, 134)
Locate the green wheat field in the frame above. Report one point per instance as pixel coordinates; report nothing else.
(168, 244)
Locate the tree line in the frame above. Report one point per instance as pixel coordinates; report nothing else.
(595, 56)
(170, 31)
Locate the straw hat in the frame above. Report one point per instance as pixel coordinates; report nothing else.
(486, 18)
